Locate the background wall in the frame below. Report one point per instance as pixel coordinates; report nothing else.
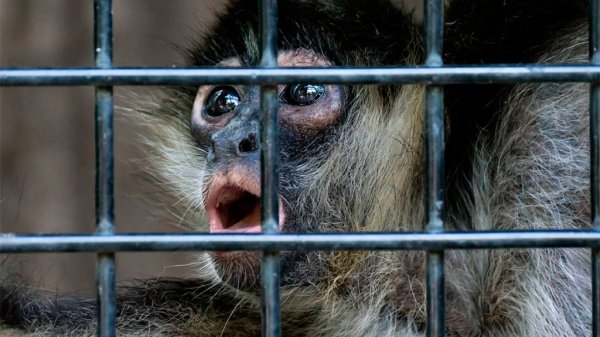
(47, 134)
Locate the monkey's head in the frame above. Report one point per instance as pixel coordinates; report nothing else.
(350, 155)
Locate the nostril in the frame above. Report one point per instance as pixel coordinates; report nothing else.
(247, 144)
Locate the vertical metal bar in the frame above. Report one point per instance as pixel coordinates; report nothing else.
(594, 41)
(105, 267)
(269, 155)
(434, 167)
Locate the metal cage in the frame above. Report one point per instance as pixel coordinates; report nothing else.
(433, 240)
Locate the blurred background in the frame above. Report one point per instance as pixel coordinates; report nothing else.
(47, 133)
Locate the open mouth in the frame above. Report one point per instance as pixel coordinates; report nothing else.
(236, 210)
(233, 205)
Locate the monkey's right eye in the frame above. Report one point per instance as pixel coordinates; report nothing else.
(303, 94)
(221, 101)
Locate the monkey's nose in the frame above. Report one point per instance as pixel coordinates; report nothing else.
(233, 145)
(247, 145)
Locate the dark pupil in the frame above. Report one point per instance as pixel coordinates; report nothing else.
(304, 94)
(222, 101)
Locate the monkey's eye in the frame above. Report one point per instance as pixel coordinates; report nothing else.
(221, 101)
(302, 94)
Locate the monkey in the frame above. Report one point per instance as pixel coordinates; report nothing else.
(351, 161)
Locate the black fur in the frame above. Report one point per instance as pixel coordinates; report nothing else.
(492, 32)
(336, 29)
(143, 306)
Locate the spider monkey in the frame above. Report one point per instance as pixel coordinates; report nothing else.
(351, 160)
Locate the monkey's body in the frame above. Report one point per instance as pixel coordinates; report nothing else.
(518, 158)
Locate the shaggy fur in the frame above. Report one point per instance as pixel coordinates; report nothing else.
(521, 164)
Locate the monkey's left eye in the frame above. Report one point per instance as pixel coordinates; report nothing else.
(302, 94)
(221, 101)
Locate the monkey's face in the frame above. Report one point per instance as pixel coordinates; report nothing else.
(347, 153)
(225, 122)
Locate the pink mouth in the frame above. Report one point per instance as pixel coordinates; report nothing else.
(233, 204)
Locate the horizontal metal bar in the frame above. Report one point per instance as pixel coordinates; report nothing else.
(256, 76)
(285, 241)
